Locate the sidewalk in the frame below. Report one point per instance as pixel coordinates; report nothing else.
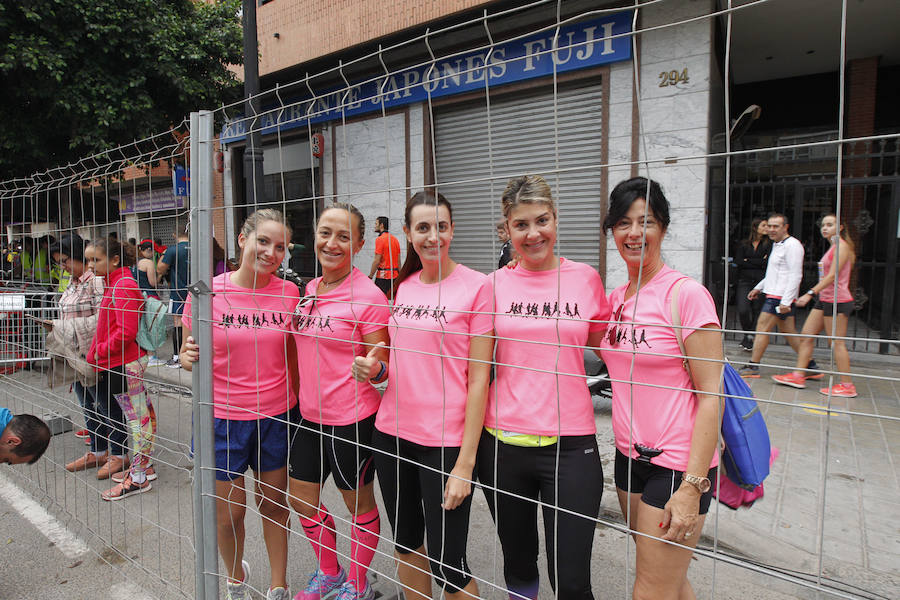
(839, 473)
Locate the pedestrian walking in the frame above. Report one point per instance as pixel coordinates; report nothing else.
(828, 306)
(780, 286)
(175, 264)
(751, 258)
(386, 264)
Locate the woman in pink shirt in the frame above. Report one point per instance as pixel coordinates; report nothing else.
(432, 413)
(254, 395)
(539, 443)
(823, 310)
(343, 316)
(665, 431)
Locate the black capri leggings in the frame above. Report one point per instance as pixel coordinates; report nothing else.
(532, 473)
(416, 513)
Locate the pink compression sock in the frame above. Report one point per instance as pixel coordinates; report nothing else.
(363, 541)
(322, 536)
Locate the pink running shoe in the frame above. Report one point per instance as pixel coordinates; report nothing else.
(841, 390)
(792, 379)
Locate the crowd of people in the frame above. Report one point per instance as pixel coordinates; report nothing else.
(483, 381)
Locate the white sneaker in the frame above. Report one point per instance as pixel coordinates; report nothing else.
(155, 361)
(278, 593)
(174, 363)
(239, 590)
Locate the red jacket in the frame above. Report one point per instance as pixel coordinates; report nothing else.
(114, 342)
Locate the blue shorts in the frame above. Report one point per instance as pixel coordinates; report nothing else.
(261, 445)
(178, 298)
(771, 304)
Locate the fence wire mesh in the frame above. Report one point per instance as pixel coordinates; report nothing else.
(479, 445)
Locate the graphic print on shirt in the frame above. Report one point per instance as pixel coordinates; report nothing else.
(256, 320)
(535, 310)
(619, 331)
(303, 319)
(419, 312)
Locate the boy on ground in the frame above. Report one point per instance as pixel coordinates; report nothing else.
(23, 438)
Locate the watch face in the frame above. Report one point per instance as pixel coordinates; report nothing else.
(704, 485)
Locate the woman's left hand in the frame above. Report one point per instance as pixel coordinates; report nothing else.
(682, 513)
(458, 487)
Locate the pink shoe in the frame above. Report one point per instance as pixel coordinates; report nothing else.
(841, 390)
(792, 379)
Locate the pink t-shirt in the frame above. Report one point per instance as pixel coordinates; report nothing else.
(827, 294)
(328, 332)
(250, 329)
(431, 324)
(662, 418)
(543, 319)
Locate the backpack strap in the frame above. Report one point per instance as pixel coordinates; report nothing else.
(676, 324)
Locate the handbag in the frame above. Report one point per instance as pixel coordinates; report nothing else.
(747, 448)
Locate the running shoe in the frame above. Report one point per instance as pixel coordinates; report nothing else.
(321, 586)
(812, 366)
(174, 363)
(746, 344)
(841, 390)
(155, 361)
(749, 371)
(83, 434)
(278, 593)
(239, 590)
(348, 591)
(792, 379)
(125, 489)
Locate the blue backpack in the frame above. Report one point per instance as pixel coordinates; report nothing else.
(744, 432)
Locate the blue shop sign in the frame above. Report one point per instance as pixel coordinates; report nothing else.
(181, 179)
(580, 45)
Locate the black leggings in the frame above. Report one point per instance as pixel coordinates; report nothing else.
(112, 433)
(532, 473)
(417, 512)
(748, 310)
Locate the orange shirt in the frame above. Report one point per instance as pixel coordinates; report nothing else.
(389, 248)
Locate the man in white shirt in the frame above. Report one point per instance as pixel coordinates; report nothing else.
(780, 286)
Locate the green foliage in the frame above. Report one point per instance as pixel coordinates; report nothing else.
(78, 76)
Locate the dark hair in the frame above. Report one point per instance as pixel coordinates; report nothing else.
(33, 432)
(754, 228)
(383, 221)
(146, 245)
(218, 253)
(361, 220)
(71, 245)
(776, 215)
(626, 192)
(413, 263)
(111, 247)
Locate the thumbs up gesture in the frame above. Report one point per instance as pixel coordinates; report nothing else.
(368, 366)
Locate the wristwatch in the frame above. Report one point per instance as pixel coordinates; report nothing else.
(701, 483)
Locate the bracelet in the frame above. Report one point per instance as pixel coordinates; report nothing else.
(380, 373)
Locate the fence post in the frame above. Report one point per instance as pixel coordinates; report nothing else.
(201, 194)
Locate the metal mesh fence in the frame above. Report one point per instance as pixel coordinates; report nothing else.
(457, 433)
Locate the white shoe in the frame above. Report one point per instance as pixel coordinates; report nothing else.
(155, 361)
(239, 590)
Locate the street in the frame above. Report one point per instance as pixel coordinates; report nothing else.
(143, 546)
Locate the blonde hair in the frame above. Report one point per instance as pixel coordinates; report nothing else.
(527, 189)
(251, 224)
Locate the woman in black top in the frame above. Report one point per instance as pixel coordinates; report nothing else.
(751, 258)
(145, 269)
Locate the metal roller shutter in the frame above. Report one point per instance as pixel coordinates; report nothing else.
(522, 141)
